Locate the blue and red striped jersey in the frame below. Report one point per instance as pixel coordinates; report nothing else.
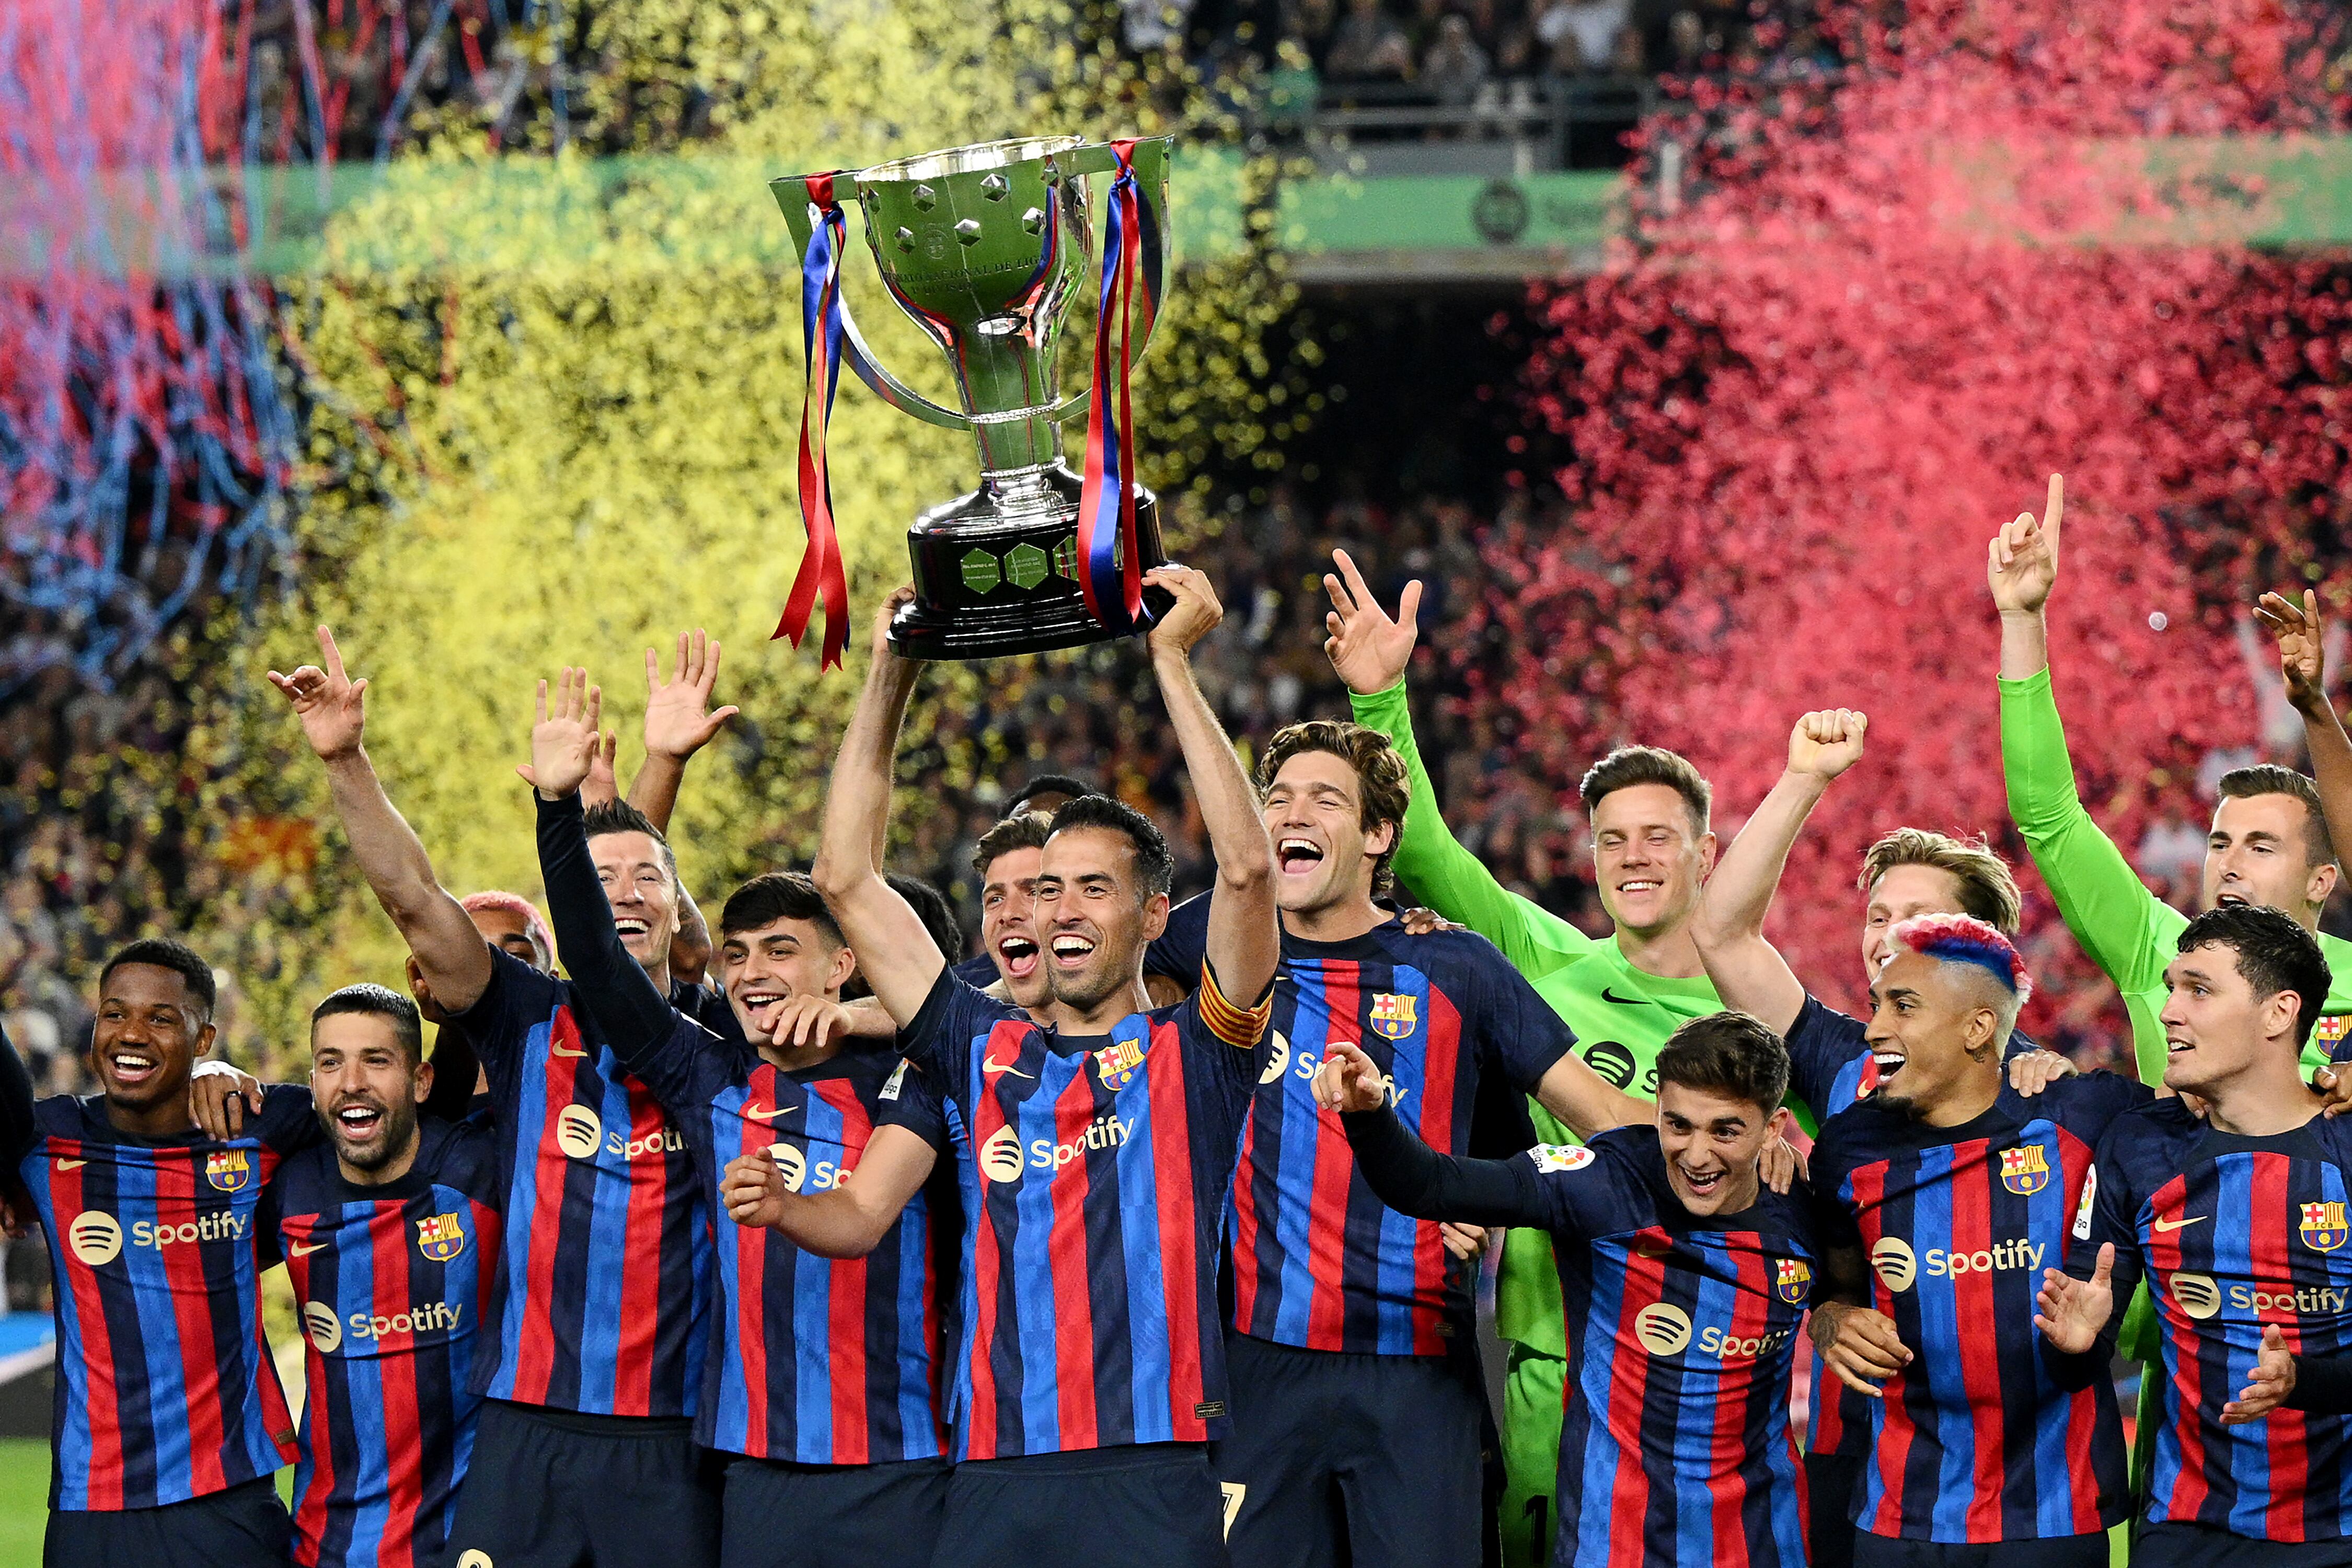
(1974, 1441)
(817, 1360)
(2233, 1233)
(601, 1298)
(165, 1387)
(1318, 1261)
(1095, 1171)
(388, 1280)
(1830, 1068)
(1682, 1336)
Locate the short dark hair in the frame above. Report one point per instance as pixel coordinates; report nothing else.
(777, 896)
(1727, 1053)
(1382, 783)
(931, 907)
(163, 953)
(2273, 952)
(378, 1002)
(620, 817)
(1022, 830)
(1046, 783)
(1155, 867)
(1630, 765)
(2269, 778)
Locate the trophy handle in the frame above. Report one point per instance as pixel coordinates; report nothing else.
(1151, 161)
(792, 193)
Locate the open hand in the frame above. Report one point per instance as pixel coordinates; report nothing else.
(1193, 616)
(219, 1096)
(330, 704)
(1779, 1164)
(2274, 1381)
(2030, 1072)
(1421, 921)
(2070, 1312)
(678, 720)
(753, 1190)
(1368, 649)
(1348, 1081)
(2336, 1085)
(2302, 658)
(2022, 562)
(564, 743)
(1826, 743)
(1859, 1345)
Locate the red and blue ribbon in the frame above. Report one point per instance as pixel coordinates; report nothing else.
(1111, 575)
(821, 572)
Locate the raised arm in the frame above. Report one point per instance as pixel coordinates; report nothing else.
(1749, 972)
(678, 722)
(1406, 1173)
(2302, 640)
(1369, 649)
(450, 952)
(1244, 940)
(895, 952)
(848, 1220)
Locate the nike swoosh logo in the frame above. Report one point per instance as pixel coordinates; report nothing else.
(1609, 995)
(2167, 1226)
(71, 1164)
(759, 1115)
(556, 1048)
(299, 1250)
(990, 1070)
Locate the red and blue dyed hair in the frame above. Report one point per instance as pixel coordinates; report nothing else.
(1964, 939)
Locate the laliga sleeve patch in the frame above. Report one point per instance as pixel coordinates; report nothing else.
(1551, 1158)
(2083, 1210)
(897, 1080)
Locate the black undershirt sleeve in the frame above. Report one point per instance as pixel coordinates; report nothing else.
(627, 1006)
(17, 1134)
(1412, 1178)
(2323, 1385)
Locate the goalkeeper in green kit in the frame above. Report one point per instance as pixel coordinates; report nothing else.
(2269, 846)
(1623, 995)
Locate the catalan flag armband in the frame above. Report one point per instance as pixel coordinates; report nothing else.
(1240, 1027)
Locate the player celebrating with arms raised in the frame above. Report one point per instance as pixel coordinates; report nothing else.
(2238, 1222)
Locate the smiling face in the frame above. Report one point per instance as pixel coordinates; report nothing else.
(1935, 1033)
(1094, 916)
(1650, 857)
(1904, 892)
(1008, 925)
(762, 969)
(150, 1031)
(644, 899)
(1711, 1141)
(367, 1086)
(1314, 814)
(2215, 1028)
(2258, 853)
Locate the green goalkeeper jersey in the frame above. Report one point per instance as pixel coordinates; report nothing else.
(2128, 932)
(1620, 1015)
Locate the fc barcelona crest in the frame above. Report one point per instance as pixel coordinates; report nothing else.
(2330, 1031)
(228, 1170)
(2323, 1226)
(1117, 1063)
(1393, 1016)
(440, 1237)
(2025, 1171)
(1796, 1280)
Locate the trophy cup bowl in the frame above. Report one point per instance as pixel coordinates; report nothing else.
(984, 247)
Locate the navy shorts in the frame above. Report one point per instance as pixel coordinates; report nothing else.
(1378, 1461)
(2056, 1552)
(2171, 1546)
(1830, 1483)
(244, 1527)
(552, 1488)
(832, 1516)
(1152, 1504)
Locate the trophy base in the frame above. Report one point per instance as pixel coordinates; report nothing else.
(992, 582)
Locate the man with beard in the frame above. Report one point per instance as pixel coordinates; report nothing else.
(1622, 996)
(601, 1300)
(2237, 1220)
(1684, 1277)
(169, 1420)
(1095, 1155)
(823, 1375)
(388, 1230)
(1945, 1192)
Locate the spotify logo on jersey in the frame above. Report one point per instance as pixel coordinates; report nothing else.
(1000, 1157)
(1896, 1263)
(2198, 1295)
(96, 1238)
(792, 1163)
(578, 1133)
(1613, 1062)
(1663, 1328)
(1279, 1059)
(325, 1329)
